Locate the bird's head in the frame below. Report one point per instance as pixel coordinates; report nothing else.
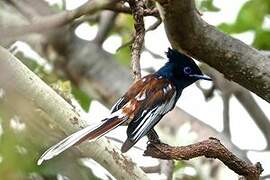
(185, 70)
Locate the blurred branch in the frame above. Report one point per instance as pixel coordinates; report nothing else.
(256, 113)
(151, 169)
(176, 118)
(137, 8)
(167, 168)
(226, 115)
(228, 88)
(211, 148)
(154, 25)
(43, 24)
(265, 177)
(107, 20)
(15, 76)
(236, 60)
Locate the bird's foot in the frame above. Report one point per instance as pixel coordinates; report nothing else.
(153, 137)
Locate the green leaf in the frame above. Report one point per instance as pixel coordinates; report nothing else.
(179, 165)
(250, 17)
(262, 39)
(81, 97)
(123, 27)
(207, 5)
(123, 56)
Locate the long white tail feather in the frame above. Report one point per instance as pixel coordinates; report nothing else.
(67, 142)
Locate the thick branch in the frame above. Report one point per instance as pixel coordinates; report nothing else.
(236, 60)
(211, 148)
(15, 77)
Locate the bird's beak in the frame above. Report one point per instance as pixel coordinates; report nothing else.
(204, 77)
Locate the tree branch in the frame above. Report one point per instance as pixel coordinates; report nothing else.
(243, 96)
(226, 115)
(137, 12)
(44, 24)
(255, 112)
(106, 22)
(121, 8)
(211, 148)
(236, 60)
(15, 77)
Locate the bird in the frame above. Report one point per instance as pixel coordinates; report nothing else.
(142, 106)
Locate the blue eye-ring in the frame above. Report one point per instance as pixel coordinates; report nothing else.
(187, 70)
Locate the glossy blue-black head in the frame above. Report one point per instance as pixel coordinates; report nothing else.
(184, 69)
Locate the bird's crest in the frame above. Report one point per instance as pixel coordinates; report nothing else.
(175, 56)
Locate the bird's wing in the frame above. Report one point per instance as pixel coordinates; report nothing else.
(133, 90)
(153, 101)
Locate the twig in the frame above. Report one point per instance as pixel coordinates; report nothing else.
(211, 148)
(154, 25)
(226, 115)
(151, 28)
(121, 8)
(151, 169)
(155, 55)
(122, 142)
(137, 12)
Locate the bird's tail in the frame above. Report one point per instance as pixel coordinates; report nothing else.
(88, 133)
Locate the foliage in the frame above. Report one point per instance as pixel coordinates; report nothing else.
(124, 27)
(207, 5)
(251, 17)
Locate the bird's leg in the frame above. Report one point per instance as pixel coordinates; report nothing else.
(153, 137)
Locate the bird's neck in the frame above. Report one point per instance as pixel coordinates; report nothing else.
(167, 72)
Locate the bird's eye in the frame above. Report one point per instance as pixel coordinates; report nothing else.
(187, 70)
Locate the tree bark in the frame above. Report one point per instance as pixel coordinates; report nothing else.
(237, 61)
(15, 77)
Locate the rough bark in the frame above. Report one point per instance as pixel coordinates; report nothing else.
(15, 77)
(211, 148)
(237, 61)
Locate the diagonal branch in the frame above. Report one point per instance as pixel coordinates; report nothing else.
(211, 148)
(16, 78)
(236, 60)
(253, 109)
(43, 24)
